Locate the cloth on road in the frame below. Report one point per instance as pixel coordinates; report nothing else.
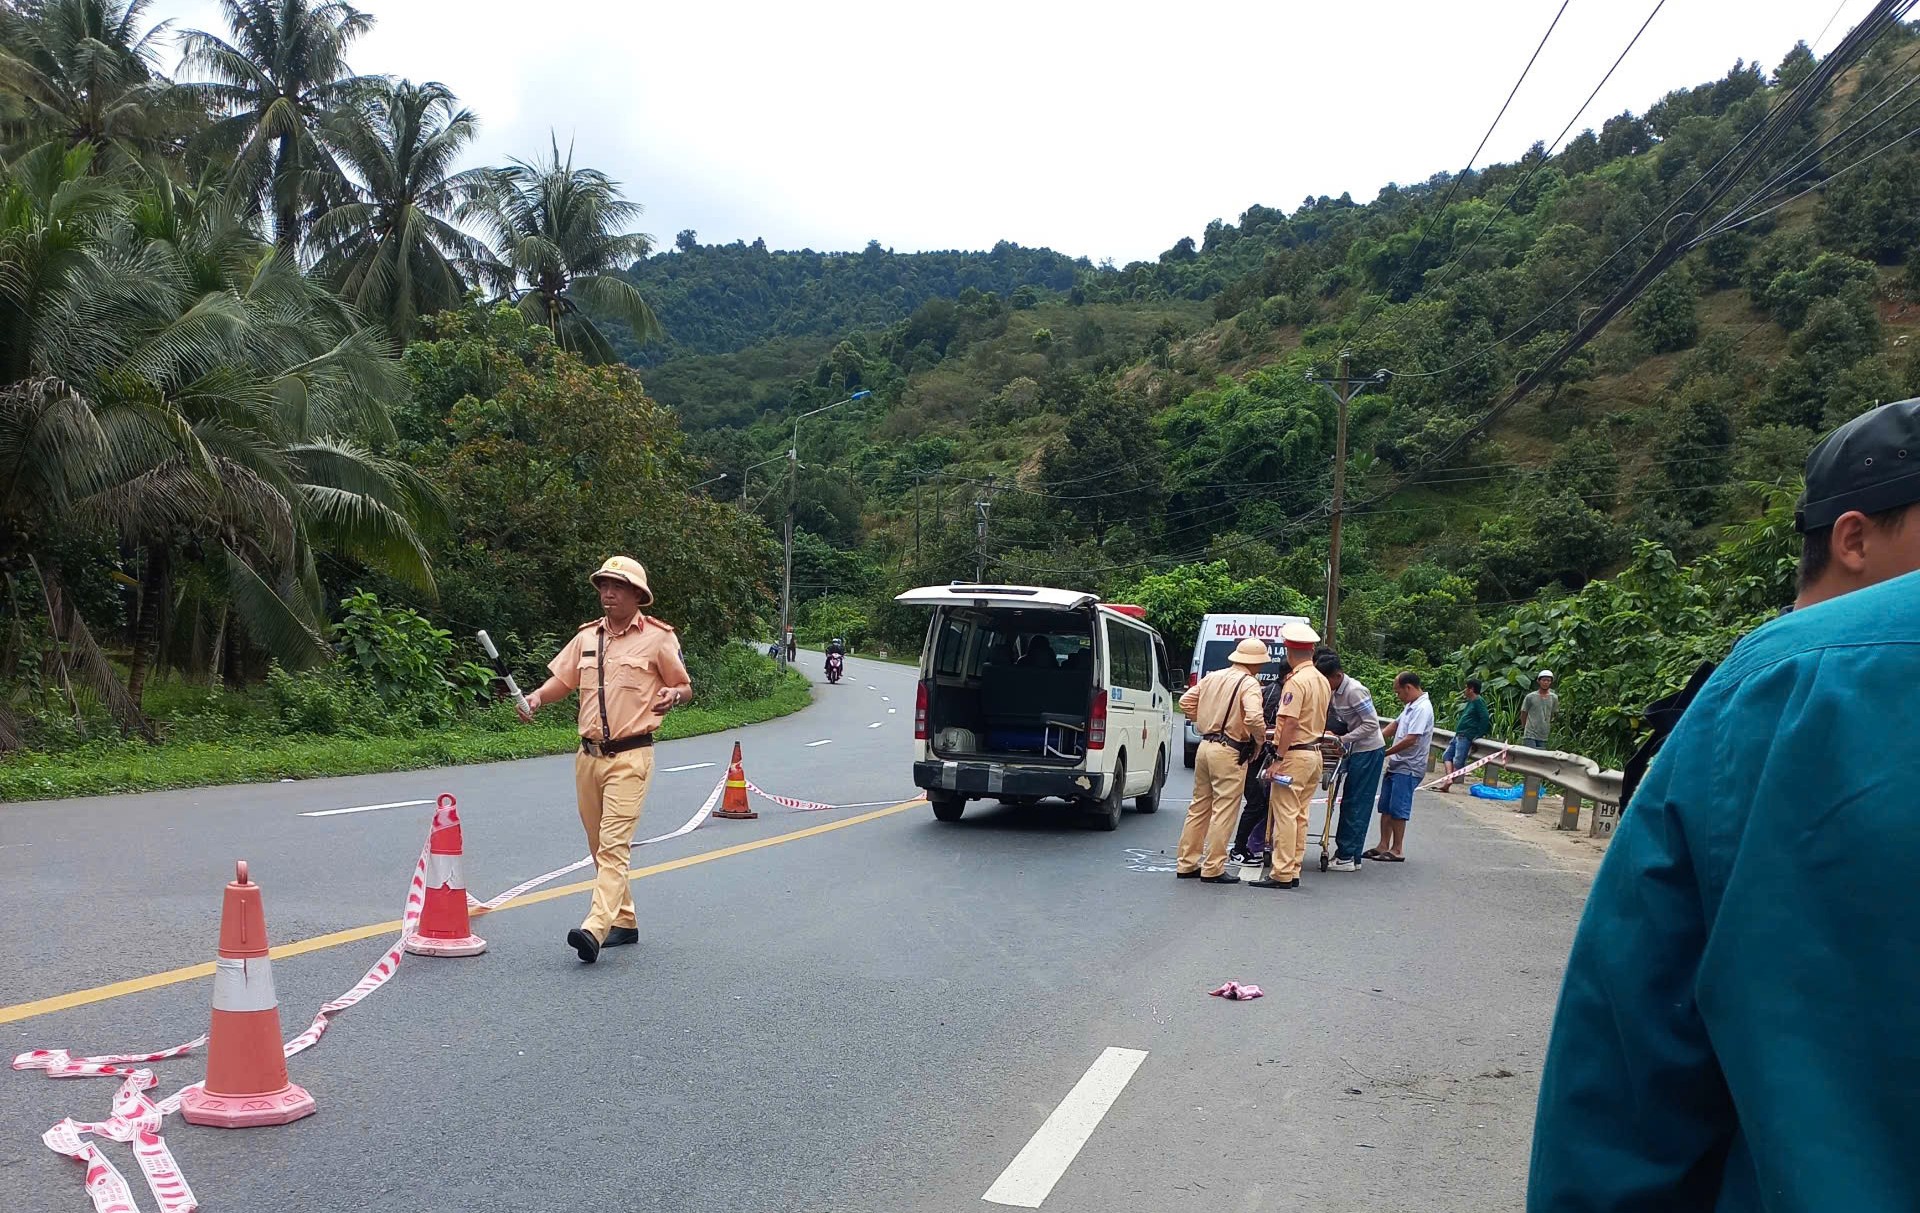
(1217, 779)
(635, 660)
(1359, 783)
(1236, 992)
(611, 792)
(1735, 1029)
(1396, 795)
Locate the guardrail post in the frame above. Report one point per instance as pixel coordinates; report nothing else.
(1530, 794)
(1490, 774)
(1569, 809)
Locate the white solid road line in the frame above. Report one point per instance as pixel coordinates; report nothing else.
(1052, 1149)
(822, 741)
(368, 808)
(692, 766)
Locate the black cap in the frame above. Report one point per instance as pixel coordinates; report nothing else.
(1870, 464)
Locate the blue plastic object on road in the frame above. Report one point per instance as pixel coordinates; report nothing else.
(1486, 791)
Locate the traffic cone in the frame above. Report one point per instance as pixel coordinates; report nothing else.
(246, 1070)
(444, 929)
(734, 804)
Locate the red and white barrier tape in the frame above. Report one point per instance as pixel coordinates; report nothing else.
(805, 806)
(137, 1119)
(1471, 767)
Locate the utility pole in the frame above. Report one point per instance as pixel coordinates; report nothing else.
(916, 522)
(786, 582)
(1344, 390)
(981, 507)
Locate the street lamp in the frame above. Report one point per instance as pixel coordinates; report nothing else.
(793, 480)
(749, 471)
(704, 483)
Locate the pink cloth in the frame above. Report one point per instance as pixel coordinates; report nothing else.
(1237, 992)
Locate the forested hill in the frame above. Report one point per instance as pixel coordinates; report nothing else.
(1150, 432)
(717, 298)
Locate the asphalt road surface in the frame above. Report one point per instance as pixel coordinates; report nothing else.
(872, 1011)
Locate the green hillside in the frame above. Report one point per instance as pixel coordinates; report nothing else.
(1149, 422)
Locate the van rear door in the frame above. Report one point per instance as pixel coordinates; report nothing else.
(1028, 598)
(1135, 714)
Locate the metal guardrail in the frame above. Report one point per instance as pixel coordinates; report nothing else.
(1578, 777)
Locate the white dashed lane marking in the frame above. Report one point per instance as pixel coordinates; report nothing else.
(692, 766)
(822, 741)
(368, 808)
(1052, 1149)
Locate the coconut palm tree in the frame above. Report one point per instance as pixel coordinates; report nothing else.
(168, 376)
(284, 70)
(391, 248)
(558, 232)
(83, 71)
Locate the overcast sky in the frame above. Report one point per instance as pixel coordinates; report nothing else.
(1098, 129)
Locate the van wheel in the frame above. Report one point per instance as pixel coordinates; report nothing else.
(946, 807)
(1106, 813)
(1193, 755)
(1149, 801)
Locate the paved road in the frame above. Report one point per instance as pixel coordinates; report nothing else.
(876, 1017)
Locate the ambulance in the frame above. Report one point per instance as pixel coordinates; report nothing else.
(1218, 635)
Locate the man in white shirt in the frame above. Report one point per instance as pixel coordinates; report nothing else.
(1409, 738)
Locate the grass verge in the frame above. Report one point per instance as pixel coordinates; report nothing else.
(119, 766)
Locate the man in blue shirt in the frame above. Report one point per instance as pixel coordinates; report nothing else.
(1737, 1025)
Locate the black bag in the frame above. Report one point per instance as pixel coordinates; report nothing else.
(1662, 715)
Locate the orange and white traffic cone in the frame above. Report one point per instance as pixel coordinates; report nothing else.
(444, 928)
(246, 1070)
(734, 803)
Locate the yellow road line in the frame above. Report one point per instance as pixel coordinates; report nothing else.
(153, 981)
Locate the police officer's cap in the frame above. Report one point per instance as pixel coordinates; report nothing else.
(629, 570)
(1870, 464)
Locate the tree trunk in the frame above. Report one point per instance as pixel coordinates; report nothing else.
(146, 629)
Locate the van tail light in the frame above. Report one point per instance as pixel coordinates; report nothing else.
(1097, 721)
(1193, 678)
(920, 713)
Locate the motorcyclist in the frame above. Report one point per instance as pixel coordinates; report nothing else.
(836, 647)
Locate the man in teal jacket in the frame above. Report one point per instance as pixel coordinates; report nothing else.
(1739, 1027)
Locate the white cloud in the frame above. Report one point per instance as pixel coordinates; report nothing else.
(1108, 130)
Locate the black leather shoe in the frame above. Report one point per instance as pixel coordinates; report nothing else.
(1193, 875)
(1222, 878)
(1274, 884)
(582, 941)
(620, 937)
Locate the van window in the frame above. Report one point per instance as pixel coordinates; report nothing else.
(1214, 657)
(950, 649)
(1045, 640)
(1130, 657)
(1160, 660)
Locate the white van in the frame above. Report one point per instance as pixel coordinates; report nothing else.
(1218, 635)
(1028, 692)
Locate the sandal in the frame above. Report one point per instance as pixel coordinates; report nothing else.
(1376, 854)
(1386, 857)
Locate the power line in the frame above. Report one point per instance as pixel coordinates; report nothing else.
(1543, 161)
(1454, 186)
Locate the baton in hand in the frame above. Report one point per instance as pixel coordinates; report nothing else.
(500, 667)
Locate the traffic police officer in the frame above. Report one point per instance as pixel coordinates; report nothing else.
(1737, 1024)
(1225, 707)
(1297, 727)
(628, 671)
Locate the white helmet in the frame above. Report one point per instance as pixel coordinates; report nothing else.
(1543, 674)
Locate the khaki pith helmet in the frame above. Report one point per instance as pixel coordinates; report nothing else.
(629, 570)
(1250, 652)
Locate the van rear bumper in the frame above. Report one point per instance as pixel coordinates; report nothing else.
(997, 779)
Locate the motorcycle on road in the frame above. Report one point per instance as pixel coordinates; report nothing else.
(836, 665)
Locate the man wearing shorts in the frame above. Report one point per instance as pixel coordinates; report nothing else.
(1409, 737)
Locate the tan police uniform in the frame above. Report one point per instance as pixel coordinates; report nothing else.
(1305, 700)
(619, 674)
(1224, 704)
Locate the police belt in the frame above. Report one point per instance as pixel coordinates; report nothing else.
(619, 745)
(1305, 745)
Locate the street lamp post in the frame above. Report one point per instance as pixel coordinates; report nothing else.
(748, 472)
(793, 482)
(704, 483)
